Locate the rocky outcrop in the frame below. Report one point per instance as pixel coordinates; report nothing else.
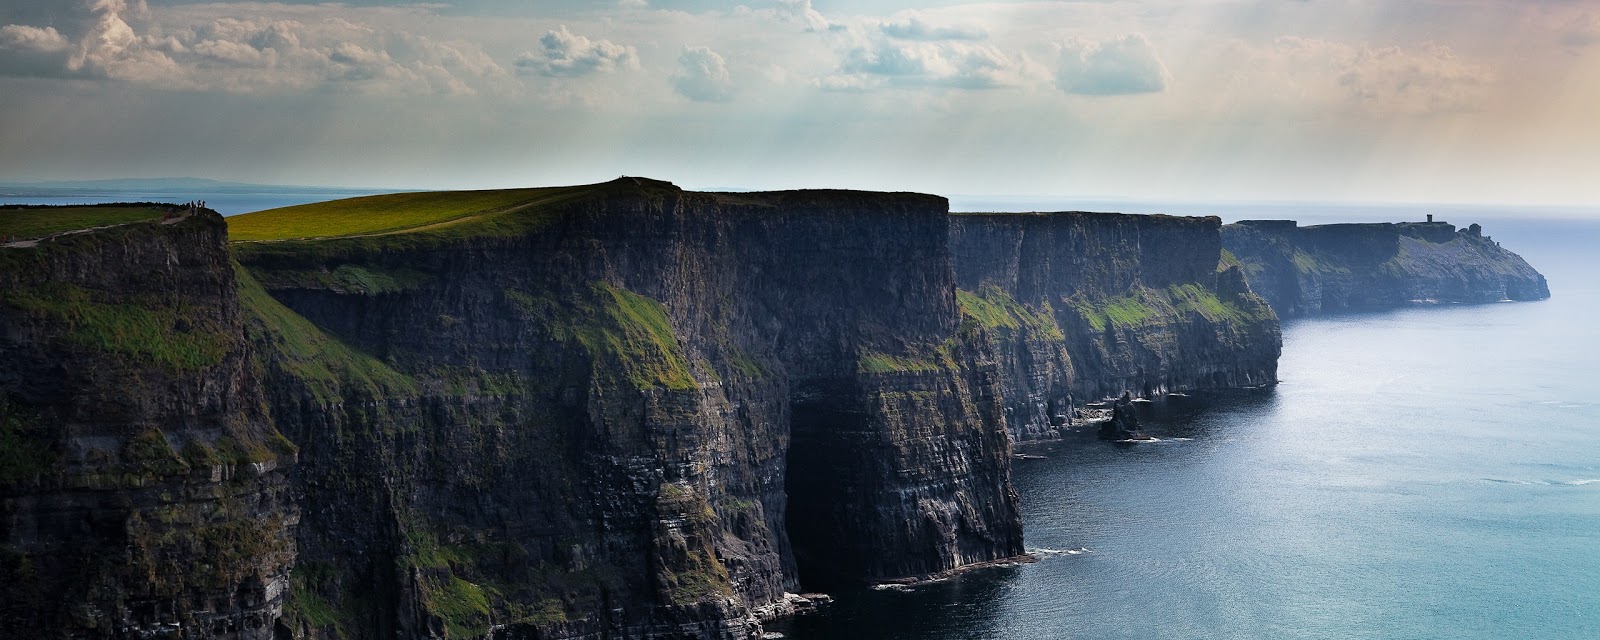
(1083, 306)
(638, 412)
(1318, 269)
(142, 483)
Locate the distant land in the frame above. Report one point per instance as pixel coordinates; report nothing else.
(227, 198)
(57, 187)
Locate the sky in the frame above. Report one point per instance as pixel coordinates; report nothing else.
(1465, 101)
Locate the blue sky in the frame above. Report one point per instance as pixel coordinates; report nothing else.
(1323, 100)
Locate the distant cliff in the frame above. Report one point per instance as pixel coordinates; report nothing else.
(1086, 305)
(1339, 267)
(616, 410)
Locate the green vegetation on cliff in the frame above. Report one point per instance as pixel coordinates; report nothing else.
(324, 363)
(36, 222)
(1147, 305)
(623, 331)
(993, 308)
(150, 329)
(25, 451)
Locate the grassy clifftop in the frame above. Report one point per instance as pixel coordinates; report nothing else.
(26, 223)
(390, 213)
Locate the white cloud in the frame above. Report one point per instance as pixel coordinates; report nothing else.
(703, 76)
(23, 38)
(802, 12)
(941, 64)
(1119, 66)
(913, 26)
(570, 55)
(242, 55)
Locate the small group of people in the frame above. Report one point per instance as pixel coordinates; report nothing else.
(188, 208)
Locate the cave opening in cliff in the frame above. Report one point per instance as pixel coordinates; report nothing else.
(828, 481)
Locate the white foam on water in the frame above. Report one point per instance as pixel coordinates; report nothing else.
(1044, 552)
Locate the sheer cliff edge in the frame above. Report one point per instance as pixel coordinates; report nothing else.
(614, 410)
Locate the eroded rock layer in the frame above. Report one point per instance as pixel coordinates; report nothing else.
(142, 484)
(618, 410)
(636, 412)
(1084, 306)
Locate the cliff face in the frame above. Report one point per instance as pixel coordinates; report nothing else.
(620, 410)
(635, 411)
(142, 486)
(1085, 305)
(1339, 267)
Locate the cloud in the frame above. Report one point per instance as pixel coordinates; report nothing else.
(239, 55)
(942, 64)
(801, 11)
(1429, 78)
(32, 51)
(703, 76)
(1582, 30)
(22, 38)
(1120, 66)
(912, 26)
(566, 54)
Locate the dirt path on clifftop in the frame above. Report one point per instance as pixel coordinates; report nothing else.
(34, 242)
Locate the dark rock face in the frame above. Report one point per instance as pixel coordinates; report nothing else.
(650, 414)
(1087, 305)
(1124, 422)
(1311, 270)
(142, 487)
(634, 412)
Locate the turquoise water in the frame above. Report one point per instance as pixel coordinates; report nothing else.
(1430, 472)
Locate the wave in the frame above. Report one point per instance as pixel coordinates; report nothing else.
(1044, 552)
(1546, 483)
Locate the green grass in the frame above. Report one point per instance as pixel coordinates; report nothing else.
(875, 362)
(37, 222)
(464, 606)
(381, 214)
(996, 310)
(156, 331)
(1143, 306)
(324, 363)
(623, 331)
(1129, 311)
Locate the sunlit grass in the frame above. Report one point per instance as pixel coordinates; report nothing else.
(26, 223)
(388, 213)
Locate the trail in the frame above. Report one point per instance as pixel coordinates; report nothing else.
(34, 242)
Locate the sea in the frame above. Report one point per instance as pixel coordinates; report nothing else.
(1418, 473)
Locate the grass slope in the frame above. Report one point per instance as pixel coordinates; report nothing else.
(383, 214)
(37, 222)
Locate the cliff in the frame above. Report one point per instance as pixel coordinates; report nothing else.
(1343, 267)
(1083, 306)
(628, 410)
(615, 410)
(142, 483)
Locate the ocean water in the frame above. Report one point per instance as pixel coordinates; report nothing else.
(1428, 472)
